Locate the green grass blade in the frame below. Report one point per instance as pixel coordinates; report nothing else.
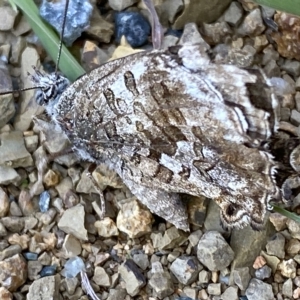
(286, 213)
(289, 6)
(68, 65)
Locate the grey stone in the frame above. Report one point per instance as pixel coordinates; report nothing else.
(272, 69)
(259, 290)
(161, 281)
(13, 152)
(13, 224)
(71, 246)
(101, 278)
(253, 24)
(285, 114)
(241, 277)
(38, 291)
(72, 221)
(186, 269)
(142, 260)
(204, 276)
(3, 231)
(194, 237)
(34, 268)
(120, 5)
(172, 238)
(10, 251)
(7, 17)
(295, 117)
(263, 272)
(276, 246)
(234, 14)
(213, 221)
(214, 289)
(231, 293)
(116, 294)
(214, 252)
(7, 107)
(216, 33)
(199, 11)
(133, 277)
(287, 288)
(292, 67)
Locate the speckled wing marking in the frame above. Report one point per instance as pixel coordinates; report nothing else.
(173, 122)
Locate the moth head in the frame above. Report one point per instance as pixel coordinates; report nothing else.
(49, 87)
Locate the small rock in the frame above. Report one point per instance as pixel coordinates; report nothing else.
(8, 175)
(253, 24)
(214, 289)
(34, 268)
(14, 210)
(101, 277)
(214, 252)
(200, 11)
(10, 251)
(294, 228)
(263, 273)
(278, 220)
(172, 238)
(142, 260)
(241, 277)
(296, 293)
(234, 14)
(45, 259)
(295, 117)
(276, 246)
(288, 268)
(216, 33)
(7, 17)
(5, 294)
(21, 240)
(133, 277)
(72, 221)
(259, 290)
(120, 5)
(272, 261)
(3, 231)
(204, 276)
(44, 201)
(292, 67)
(186, 269)
(31, 143)
(231, 293)
(134, 26)
(117, 294)
(51, 178)
(134, 219)
(70, 285)
(259, 262)
(48, 271)
(106, 227)
(194, 237)
(13, 152)
(292, 247)
(287, 288)
(4, 203)
(78, 11)
(13, 272)
(13, 224)
(30, 255)
(44, 288)
(71, 246)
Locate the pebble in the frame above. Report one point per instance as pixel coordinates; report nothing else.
(7, 17)
(34, 268)
(120, 5)
(134, 26)
(106, 227)
(214, 289)
(4, 203)
(8, 175)
(13, 224)
(13, 272)
(44, 201)
(71, 246)
(133, 277)
(10, 251)
(263, 273)
(287, 288)
(288, 268)
(231, 293)
(53, 12)
(134, 219)
(186, 269)
(30, 255)
(37, 290)
(258, 289)
(101, 278)
(72, 221)
(48, 271)
(276, 246)
(21, 240)
(252, 24)
(241, 277)
(141, 260)
(214, 252)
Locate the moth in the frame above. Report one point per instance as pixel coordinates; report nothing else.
(173, 122)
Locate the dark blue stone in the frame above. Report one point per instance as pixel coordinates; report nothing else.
(79, 12)
(48, 271)
(30, 255)
(44, 201)
(134, 26)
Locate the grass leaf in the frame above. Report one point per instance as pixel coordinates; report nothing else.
(289, 6)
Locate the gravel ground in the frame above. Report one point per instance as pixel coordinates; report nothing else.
(51, 230)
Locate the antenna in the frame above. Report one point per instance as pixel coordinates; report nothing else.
(62, 35)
